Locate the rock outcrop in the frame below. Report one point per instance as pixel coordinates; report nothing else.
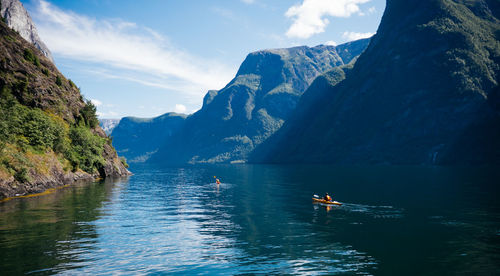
(16, 17)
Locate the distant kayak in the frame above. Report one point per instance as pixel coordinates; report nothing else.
(318, 200)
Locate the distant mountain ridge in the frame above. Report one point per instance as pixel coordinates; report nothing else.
(425, 91)
(137, 139)
(108, 125)
(16, 17)
(265, 90)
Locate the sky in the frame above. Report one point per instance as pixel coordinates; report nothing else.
(146, 58)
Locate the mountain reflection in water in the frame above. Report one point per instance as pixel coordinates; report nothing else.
(261, 219)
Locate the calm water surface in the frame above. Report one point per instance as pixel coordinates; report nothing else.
(395, 221)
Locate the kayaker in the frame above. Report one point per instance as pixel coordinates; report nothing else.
(217, 181)
(327, 197)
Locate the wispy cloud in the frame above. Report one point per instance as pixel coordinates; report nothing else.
(225, 13)
(369, 11)
(248, 1)
(309, 17)
(350, 36)
(189, 89)
(127, 46)
(109, 114)
(96, 102)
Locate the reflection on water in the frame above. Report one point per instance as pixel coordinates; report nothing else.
(51, 231)
(259, 220)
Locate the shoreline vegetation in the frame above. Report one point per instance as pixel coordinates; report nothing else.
(49, 135)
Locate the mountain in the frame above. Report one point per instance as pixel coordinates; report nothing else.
(16, 17)
(108, 125)
(49, 136)
(138, 138)
(425, 91)
(266, 88)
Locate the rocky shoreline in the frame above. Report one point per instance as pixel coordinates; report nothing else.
(40, 183)
(56, 176)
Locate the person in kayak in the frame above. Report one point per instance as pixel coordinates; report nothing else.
(327, 197)
(217, 181)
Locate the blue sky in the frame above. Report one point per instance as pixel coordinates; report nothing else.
(146, 58)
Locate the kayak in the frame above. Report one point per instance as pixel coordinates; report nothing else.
(318, 200)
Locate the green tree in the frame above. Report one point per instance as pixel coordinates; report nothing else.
(31, 57)
(58, 80)
(86, 150)
(88, 113)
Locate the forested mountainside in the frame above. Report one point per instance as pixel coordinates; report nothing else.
(425, 91)
(49, 135)
(237, 118)
(138, 138)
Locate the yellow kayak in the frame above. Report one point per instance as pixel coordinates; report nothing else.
(319, 200)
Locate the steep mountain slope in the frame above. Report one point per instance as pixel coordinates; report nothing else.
(49, 135)
(138, 138)
(254, 104)
(16, 17)
(425, 91)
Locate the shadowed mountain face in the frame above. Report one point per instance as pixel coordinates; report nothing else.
(254, 104)
(137, 139)
(16, 17)
(425, 91)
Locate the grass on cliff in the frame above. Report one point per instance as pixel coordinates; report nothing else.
(27, 134)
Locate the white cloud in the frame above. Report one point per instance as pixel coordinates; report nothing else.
(180, 108)
(107, 115)
(369, 11)
(126, 46)
(96, 102)
(308, 17)
(350, 36)
(331, 43)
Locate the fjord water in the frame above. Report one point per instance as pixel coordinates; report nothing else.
(395, 220)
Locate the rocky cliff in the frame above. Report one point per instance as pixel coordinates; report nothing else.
(237, 118)
(17, 18)
(49, 136)
(425, 91)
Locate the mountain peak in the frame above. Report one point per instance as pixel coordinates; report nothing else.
(280, 59)
(17, 18)
(252, 106)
